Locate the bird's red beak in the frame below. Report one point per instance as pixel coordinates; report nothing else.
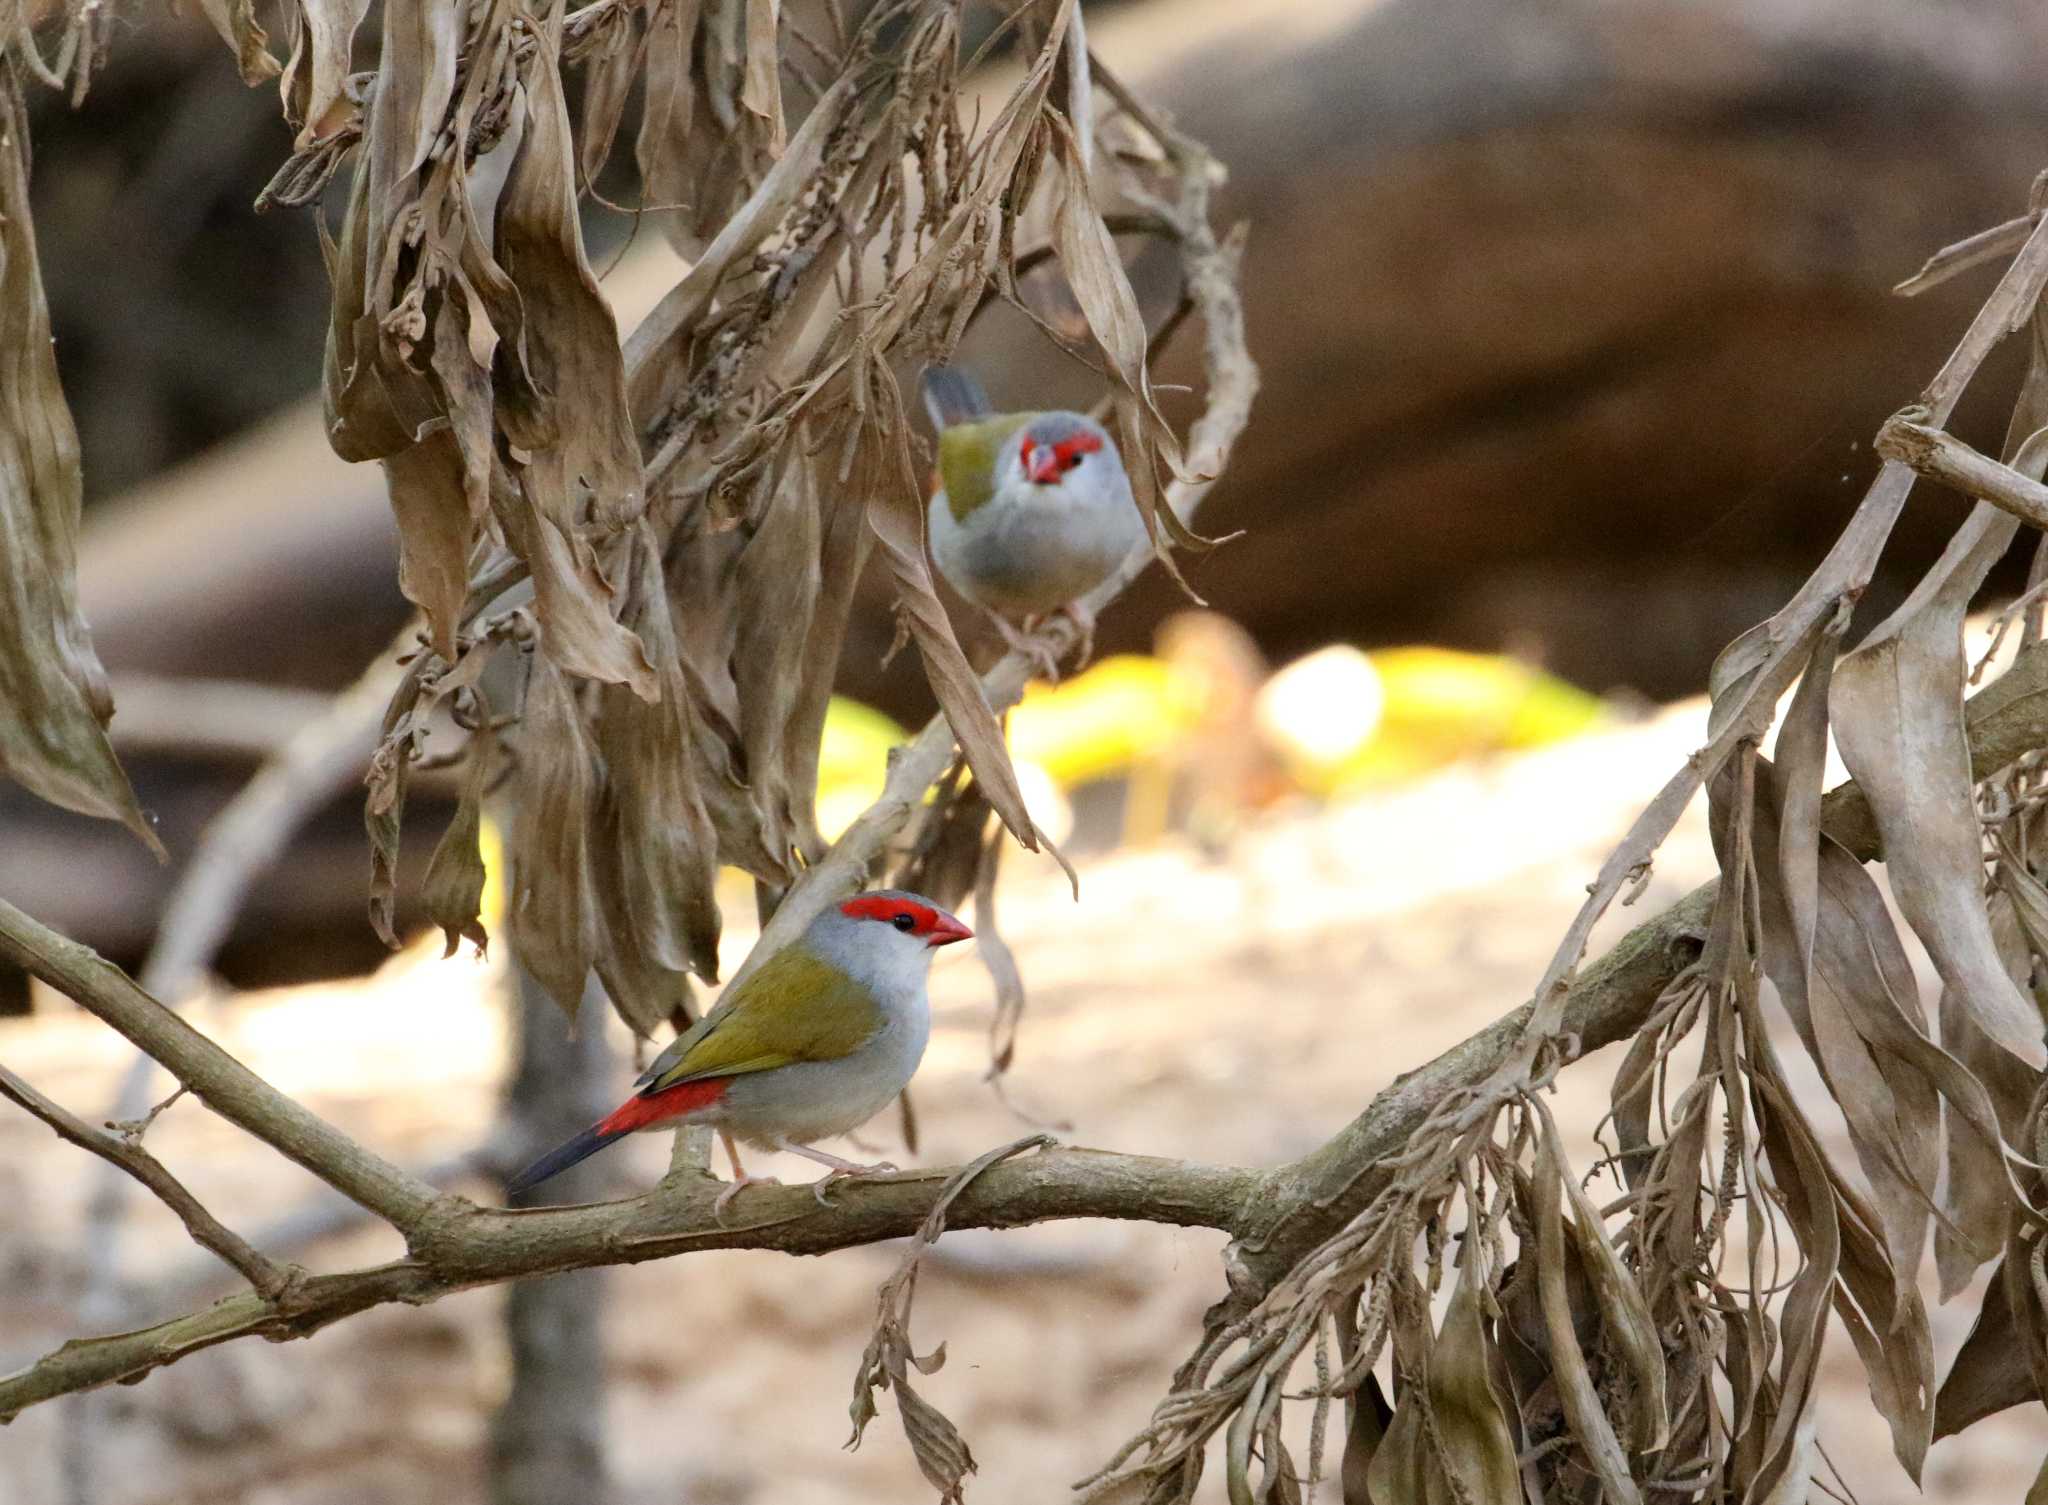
(1042, 463)
(946, 930)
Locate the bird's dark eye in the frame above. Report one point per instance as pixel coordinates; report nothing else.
(904, 923)
(1072, 461)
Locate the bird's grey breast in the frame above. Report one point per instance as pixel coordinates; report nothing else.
(1030, 549)
(814, 1100)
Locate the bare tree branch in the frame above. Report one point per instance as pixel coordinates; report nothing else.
(265, 1274)
(1275, 1215)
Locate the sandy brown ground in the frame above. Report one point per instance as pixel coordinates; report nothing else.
(1234, 1012)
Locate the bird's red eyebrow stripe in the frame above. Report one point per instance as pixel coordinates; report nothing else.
(872, 908)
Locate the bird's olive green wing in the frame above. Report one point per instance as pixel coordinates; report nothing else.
(796, 1008)
(967, 460)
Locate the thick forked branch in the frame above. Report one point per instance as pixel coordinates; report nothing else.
(1277, 1215)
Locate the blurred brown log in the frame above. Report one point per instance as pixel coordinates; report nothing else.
(1574, 320)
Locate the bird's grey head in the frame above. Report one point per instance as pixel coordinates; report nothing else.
(885, 938)
(1065, 450)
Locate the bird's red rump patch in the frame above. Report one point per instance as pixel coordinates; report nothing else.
(670, 1102)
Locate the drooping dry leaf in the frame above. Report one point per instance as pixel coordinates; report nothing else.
(776, 581)
(319, 66)
(1897, 704)
(843, 553)
(1990, 1373)
(1809, 1192)
(366, 418)
(1095, 272)
(612, 56)
(1976, 1195)
(667, 112)
(452, 891)
(553, 910)
(1576, 1392)
(235, 20)
(592, 467)
(54, 701)
(384, 807)
(429, 498)
(1624, 1315)
(572, 598)
(762, 92)
(1448, 1440)
(1887, 1321)
(659, 832)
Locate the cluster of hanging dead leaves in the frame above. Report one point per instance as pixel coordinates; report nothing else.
(1666, 1345)
(657, 539)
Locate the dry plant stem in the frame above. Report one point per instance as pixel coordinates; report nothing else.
(1940, 456)
(265, 1274)
(1974, 250)
(1277, 1215)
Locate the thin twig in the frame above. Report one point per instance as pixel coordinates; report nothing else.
(129, 1157)
(1974, 250)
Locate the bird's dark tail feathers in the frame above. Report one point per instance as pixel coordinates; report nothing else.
(952, 396)
(561, 1157)
(644, 1110)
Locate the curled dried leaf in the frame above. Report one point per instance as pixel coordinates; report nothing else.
(659, 841)
(235, 20)
(571, 342)
(452, 891)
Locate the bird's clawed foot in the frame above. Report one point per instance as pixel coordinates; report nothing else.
(1021, 641)
(837, 1169)
(1084, 631)
(848, 1172)
(739, 1184)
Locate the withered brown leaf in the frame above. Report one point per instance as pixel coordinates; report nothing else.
(54, 700)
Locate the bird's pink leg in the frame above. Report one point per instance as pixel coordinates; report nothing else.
(740, 1179)
(837, 1168)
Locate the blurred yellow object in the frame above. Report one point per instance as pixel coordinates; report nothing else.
(490, 846)
(1321, 713)
(1125, 710)
(853, 762)
(1431, 706)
